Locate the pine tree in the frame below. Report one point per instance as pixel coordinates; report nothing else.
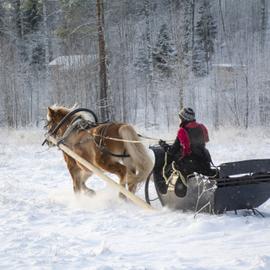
(264, 21)
(189, 16)
(205, 33)
(144, 60)
(32, 19)
(2, 16)
(32, 15)
(164, 53)
(28, 17)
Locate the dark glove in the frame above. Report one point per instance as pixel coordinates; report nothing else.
(164, 145)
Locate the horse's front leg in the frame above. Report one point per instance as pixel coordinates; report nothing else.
(84, 175)
(79, 177)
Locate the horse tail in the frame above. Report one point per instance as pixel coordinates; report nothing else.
(140, 158)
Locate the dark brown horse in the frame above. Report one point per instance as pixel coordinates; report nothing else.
(112, 147)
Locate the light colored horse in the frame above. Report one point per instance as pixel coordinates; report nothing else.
(112, 147)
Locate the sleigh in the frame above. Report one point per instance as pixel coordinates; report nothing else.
(237, 185)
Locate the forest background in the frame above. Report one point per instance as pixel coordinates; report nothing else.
(136, 61)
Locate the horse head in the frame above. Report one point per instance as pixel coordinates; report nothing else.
(59, 119)
(54, 115)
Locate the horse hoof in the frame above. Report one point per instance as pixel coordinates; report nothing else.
(90, 192)
(122, 197)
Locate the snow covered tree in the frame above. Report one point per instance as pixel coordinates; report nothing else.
(28, 17)
(32, 16)
(189, 19)
(205, 34)
(164, 53)
(264, 20)
(36, 33)
(2, 16)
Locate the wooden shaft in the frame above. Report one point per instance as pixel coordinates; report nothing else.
(104, 177)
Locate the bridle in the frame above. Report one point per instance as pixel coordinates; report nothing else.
(53, 130)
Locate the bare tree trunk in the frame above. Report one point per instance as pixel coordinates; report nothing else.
(247, 102)
(122, 70)
(103, 95)
(193, 24)
(46, 38)
(19, 22)
(215, 95)
(149, 76)
(177, 33)
(264, 20)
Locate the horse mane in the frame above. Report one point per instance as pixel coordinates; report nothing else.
(65, 110)
(55, 107)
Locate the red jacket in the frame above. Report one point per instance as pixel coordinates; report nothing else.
(183, 137)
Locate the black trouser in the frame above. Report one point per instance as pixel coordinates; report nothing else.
(191, 164)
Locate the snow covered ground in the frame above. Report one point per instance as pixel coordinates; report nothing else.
(43, 226)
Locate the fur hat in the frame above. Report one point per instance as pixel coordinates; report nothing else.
(187, 114)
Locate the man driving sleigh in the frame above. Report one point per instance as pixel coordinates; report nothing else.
(188, 152)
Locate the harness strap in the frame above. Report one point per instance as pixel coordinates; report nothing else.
(105, 150)
(179, 174)
(101, 144)
(174, 176)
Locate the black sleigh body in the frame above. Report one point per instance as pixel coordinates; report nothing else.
(237, 185)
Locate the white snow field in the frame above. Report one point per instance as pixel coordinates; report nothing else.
(44, 226)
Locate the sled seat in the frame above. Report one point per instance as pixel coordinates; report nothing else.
(244, 167)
